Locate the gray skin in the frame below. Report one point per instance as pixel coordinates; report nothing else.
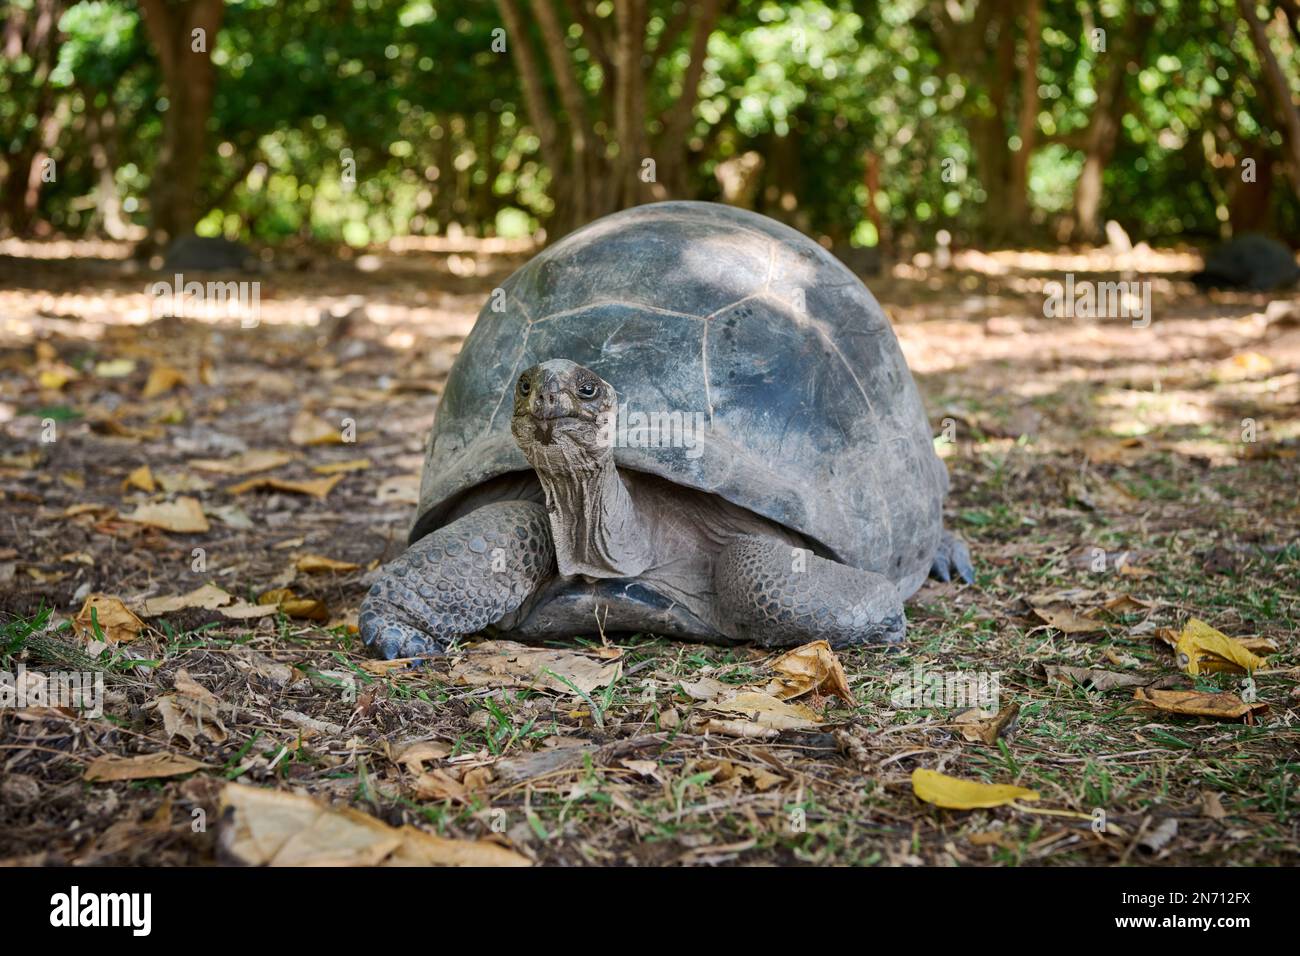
(808, 502)
(585, 545)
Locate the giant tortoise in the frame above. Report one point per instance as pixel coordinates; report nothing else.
(685, 419)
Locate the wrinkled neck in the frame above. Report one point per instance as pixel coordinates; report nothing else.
(594, 523)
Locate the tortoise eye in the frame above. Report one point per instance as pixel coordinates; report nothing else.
(524, 387)
(587, 390)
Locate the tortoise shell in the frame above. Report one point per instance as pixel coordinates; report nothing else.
(808, 413)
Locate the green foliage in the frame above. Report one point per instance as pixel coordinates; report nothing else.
(827, 92)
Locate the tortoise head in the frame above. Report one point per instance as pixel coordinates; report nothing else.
(564, 417)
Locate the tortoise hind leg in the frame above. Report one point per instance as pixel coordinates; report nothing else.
(459, 579)
(778, 596)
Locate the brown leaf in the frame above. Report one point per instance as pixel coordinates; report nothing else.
(1064, 619)
(1098, 679)
(979, 726)
(142, 767)
(811, 667)
(508, 664)
(192, 712)
(116, 622)
(1223, 706)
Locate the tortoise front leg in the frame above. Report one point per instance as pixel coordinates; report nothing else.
(779, 596)
(459, 579)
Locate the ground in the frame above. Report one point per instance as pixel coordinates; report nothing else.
(1114, 482)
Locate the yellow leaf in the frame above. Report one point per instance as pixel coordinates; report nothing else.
(116, 622)
(317, 487)
(115, 368)
(1199, 639)
(245, 463)
(307, 429)
(316, 564)
(55, 378)
(184, 515)
(162, 379)
(141, 478)
(334, 467)
(293, 606)
(953, 794)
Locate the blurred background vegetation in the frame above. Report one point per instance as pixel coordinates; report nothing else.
(862, 123)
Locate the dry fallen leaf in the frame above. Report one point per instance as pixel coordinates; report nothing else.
(508, 664)
(954, 794)
(307, 429)
(316, 487)
(162, 379)
(1094, 677)
(245, 463)
(980, 726)
(273, 828)
(811, 667)
(184, 515)
(208, 597)
(1223, 706)
(293, 606)
(335, 467)
(192, 711)
(414, 755)
(142, 767)
(1202, 648)
(141, 478)
(766, 711)
(318, 564)
(117, 624)
(1066, 620)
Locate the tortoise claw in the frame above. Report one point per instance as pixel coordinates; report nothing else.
(952, 557)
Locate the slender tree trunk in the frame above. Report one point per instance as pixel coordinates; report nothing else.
(673, 145)
(1101, 135)
(1028, 122)
(1285, 112)
(185, 56)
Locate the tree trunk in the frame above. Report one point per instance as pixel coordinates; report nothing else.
(190, 79)
(35, 34)
(1028, 122)
(1101, 135)
(1285, 112)
(674, 147)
